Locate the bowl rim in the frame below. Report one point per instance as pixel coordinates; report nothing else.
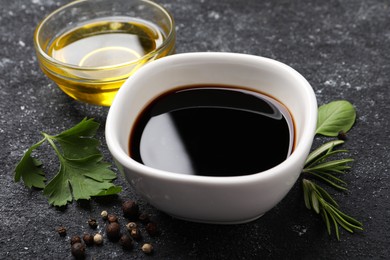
(302, 148)
(169, 38)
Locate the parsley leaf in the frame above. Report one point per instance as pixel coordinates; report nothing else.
(84, 178)
(78, 141)
(82, 173)
(29, 169)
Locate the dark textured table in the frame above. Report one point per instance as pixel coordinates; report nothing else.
(341, 47)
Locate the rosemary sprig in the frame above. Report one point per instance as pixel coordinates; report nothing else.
(316, 165)
(319, 166)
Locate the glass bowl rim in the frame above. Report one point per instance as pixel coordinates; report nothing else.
(170, 37)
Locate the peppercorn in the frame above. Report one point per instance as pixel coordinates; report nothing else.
(342, 135)
(98, 239)
(131, 225)
(113, 231)
(126, 242)
(135, 233)
(62, 231)
(112, 218)
(104, 214)
(144, 218)
(130, 209)
(75, 239)
(92, 223)
(147, 248)
(78, 250)
(88, 239)
(151, 228)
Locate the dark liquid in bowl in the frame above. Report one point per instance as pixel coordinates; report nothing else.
(212, 131)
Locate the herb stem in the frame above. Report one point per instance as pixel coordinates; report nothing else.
(329, 181)
(36, 145)
(50, 138)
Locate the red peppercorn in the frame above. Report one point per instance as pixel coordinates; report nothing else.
(75, 239)
(88, 239)
(112, 218)
(113, 231)
(78, 250)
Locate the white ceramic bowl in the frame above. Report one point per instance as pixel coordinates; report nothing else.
(223, 200)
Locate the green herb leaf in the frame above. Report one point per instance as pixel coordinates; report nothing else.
(110, 191)
(82, 178)
(78, 141)
(334, 117)
(318, 165)
(29, 169)
(82, 173)
(320, 150)
(323, 204)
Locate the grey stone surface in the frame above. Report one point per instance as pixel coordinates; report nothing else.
(341, 46)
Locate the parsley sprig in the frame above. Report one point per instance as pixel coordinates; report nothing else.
(333, 118)
(82, 173)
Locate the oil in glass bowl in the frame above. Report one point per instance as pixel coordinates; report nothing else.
(109, 51)
(106, 43)
(90, 47)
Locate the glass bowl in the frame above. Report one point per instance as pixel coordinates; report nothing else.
(90, 47)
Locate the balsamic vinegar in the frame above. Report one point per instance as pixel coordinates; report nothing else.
(212, 131)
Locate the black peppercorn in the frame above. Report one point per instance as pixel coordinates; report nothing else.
(88, 239)
(144, 218)
(342, 135)
(92, 223)
(113, 231)
(78, 250)
(61, 231)
(130, 209)
(126, 242)
(151, 228)
(75, 239)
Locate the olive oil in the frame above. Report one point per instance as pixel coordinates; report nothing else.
(213, 131)
(101, 55)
